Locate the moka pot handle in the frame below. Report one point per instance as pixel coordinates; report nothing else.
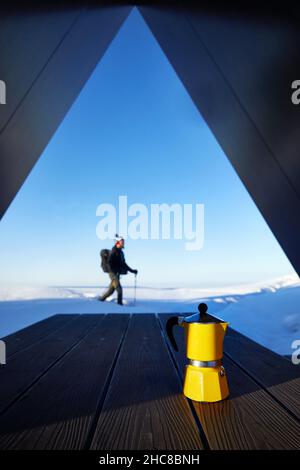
(171, 322)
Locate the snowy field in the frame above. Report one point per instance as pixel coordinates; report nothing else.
(269, 313)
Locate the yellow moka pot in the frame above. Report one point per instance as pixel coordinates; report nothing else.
(205, 378)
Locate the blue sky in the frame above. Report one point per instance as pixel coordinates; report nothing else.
(134, 131)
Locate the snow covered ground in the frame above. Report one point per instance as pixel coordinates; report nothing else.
(269, 312)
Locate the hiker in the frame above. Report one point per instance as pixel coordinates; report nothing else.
(116, 265)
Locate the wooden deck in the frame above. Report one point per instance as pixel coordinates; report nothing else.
(112, 382)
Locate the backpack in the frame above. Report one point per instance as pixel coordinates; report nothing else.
(104, 255)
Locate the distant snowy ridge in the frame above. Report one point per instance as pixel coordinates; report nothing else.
(23, 292)
(269, 312)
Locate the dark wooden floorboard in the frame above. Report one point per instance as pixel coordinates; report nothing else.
(144, 407)
(58, 412)
(276, 374)
(72, 387)
(23, 369)
(20, 340)
(249, 419)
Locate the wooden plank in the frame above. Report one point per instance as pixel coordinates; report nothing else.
(249, 419)
(25, 368)
(59, 411)
(246, 45)
(21, 339)
(144, 408)
(21, 61)
(280, 377)
(191, 41)
(54, 90)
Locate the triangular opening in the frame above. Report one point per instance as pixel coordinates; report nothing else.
(135, 131)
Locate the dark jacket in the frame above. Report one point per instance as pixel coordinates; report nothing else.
(117, 262)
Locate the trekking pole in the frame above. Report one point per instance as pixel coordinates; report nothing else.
(134, 299)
